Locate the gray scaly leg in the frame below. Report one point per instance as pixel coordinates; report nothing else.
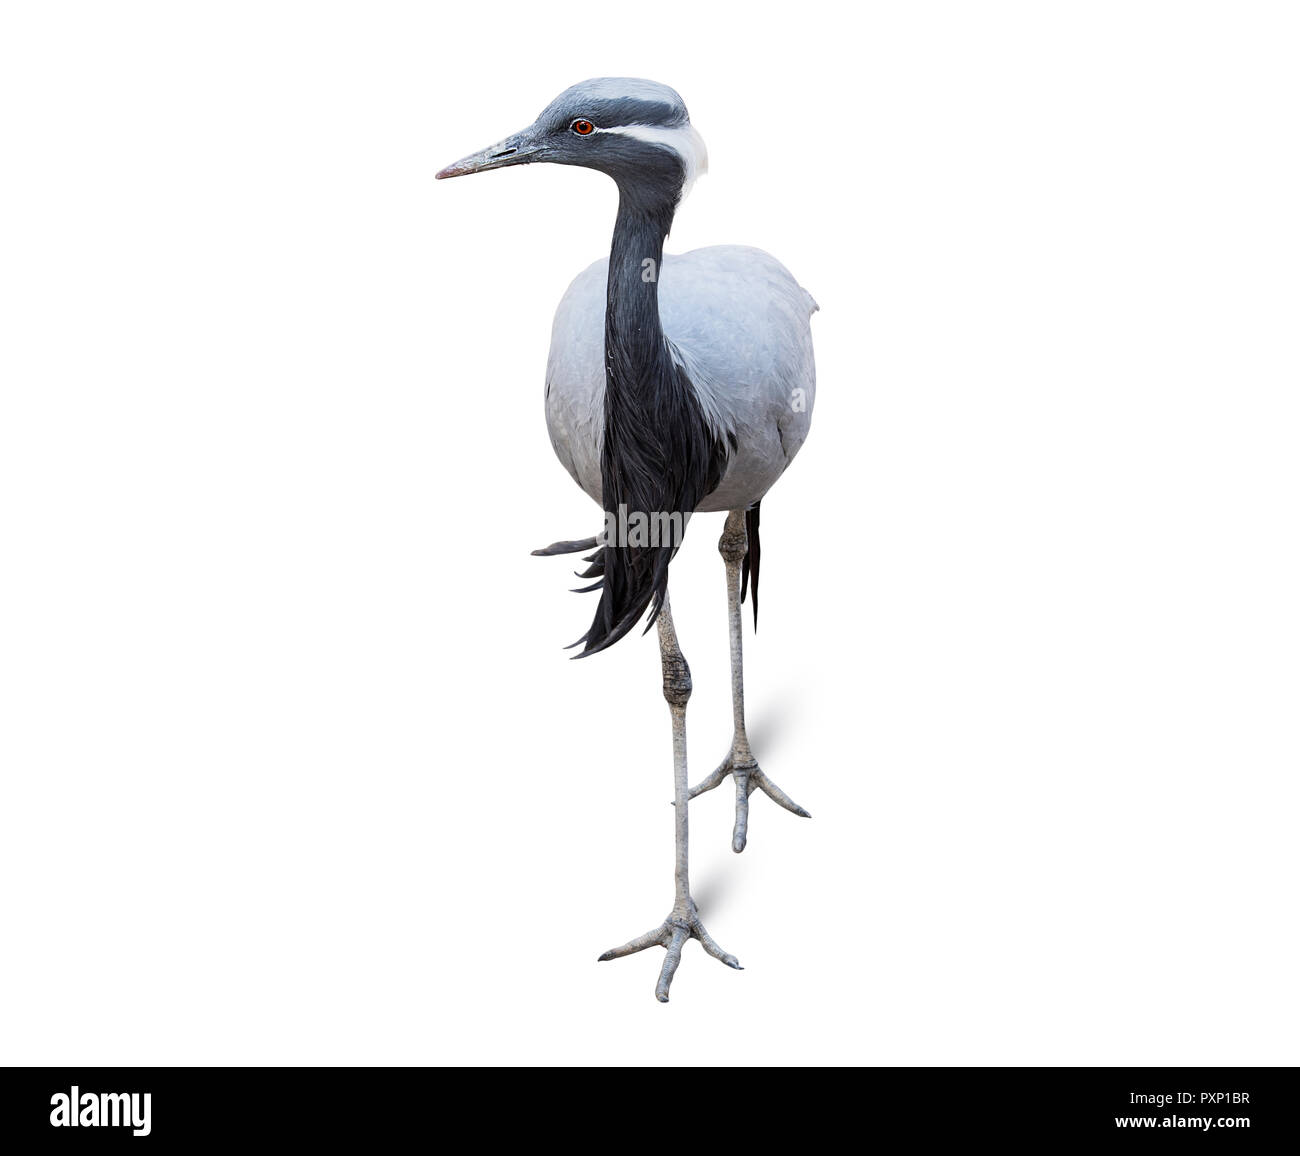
(740, 763)
(683, 921)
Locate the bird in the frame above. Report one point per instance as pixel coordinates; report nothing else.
(676, 384)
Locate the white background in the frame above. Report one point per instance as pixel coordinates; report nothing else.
(294, 767)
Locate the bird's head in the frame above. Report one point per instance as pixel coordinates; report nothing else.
(636, 131)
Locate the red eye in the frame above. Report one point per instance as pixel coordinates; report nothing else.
(583, 127)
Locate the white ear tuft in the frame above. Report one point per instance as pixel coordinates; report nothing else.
(683, 139)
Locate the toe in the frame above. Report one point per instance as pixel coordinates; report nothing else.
(671, 960)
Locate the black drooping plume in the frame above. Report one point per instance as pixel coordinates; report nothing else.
(660, 455)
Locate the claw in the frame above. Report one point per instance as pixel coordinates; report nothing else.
(706, 941)
(778, 796)
(640, 943)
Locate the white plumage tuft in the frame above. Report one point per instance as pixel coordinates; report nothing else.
(683, 139)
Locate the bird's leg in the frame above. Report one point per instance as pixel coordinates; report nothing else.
(740, 763)
(683, 921)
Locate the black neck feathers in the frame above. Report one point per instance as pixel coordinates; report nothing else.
(659, 458)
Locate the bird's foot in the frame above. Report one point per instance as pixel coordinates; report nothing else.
(742, 767)
(683, 924)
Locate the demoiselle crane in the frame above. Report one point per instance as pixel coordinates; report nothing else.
(675, 385)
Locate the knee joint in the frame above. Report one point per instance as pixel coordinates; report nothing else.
(733, 545)
(677, 680)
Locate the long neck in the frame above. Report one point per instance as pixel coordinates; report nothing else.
(636, 354)
(658, 457)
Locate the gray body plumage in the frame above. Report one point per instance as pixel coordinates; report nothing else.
(738, 323)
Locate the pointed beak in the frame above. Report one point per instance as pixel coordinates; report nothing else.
(519, 149)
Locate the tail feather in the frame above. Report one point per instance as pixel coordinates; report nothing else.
(574, 547)
(749, 564)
